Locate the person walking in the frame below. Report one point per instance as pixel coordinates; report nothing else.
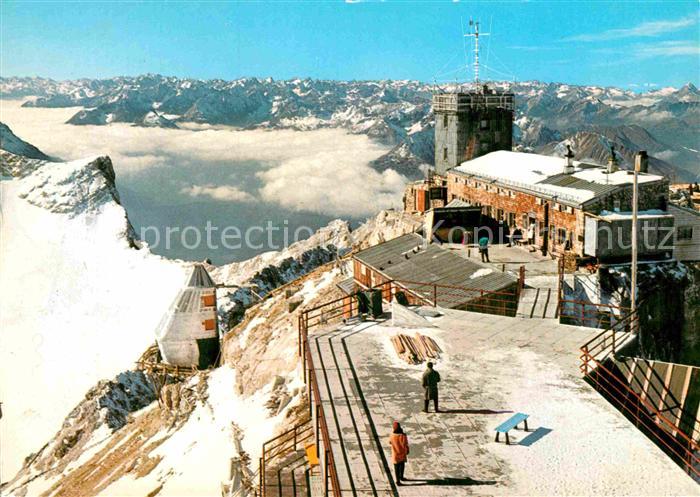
(431, 378)
(398, 441)
(484, 249)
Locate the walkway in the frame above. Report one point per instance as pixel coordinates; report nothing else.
(493, 366)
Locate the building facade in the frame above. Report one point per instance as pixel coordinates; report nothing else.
(547, 199)
(471, 124)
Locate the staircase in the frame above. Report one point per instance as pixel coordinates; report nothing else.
(288, 466)
(537, 303)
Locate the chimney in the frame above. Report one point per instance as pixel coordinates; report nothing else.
(569, 155)
(612, 161)
(641, 162)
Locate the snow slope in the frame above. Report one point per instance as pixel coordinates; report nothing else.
(77, 303)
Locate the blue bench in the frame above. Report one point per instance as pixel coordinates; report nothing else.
(511, 423)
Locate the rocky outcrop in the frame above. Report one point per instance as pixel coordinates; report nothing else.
(663, 320)
(109, 403)
(13, 144)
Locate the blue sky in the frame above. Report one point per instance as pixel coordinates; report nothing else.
(628, 44)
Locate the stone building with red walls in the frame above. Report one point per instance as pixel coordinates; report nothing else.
(548, 198)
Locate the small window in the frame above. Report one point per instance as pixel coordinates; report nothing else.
(444, 120)
(444, 153)
(684, 233)
(484, 124)
(616, 205)
(561, 236)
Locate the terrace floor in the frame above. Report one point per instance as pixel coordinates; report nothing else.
(492, 367)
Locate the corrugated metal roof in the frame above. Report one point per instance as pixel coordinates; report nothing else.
(570, 181)
(348, 286)
(200, 278)
(407, 258)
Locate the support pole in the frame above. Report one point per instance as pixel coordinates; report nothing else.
(639, 165)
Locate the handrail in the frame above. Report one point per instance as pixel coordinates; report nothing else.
(685, 450)
(328, 460)
(279, 446)
(600, 348)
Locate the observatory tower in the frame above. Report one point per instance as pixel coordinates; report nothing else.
(471, 123)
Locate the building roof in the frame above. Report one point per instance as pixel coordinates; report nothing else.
(626, 215)
(544, 174)
(348, 286)
(457, 203)
(199, 277)
(408, 259)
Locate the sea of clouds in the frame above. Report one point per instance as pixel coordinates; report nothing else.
(322, 171)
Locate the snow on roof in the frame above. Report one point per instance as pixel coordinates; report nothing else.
(535, 171)
(649, 214)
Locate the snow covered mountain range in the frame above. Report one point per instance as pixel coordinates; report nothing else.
(666, 122)
(81, 299)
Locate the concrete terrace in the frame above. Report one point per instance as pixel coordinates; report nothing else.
(493, 366)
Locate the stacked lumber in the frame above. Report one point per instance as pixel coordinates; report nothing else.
(415, 350)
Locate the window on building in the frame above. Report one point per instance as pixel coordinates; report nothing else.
(538, 201)
(499, 214)
(616, 205)
(444, 153)
(684, 233)
(484, 124)
(444, 120)
(511, 219)
(561, 236)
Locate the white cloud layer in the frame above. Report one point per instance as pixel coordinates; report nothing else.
(222, 192)
(645, 29)
(325, 171)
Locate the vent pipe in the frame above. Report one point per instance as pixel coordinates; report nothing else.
(569, 156)
(641, 162)
(612, 161)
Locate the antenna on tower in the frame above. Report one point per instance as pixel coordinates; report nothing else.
(475, 33)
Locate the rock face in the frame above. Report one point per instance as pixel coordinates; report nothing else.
(11, 143)
(66, 187)
(594, 144)
(666, 122)
(108, 404)
(690, 352)
(663, 292)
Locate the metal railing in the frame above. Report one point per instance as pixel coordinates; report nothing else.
(330, 472)
(648, 418)
(609, 341)
(346, 307)
(275, 449)
(590, 314)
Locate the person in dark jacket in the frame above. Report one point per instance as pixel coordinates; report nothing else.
(431, 378)
(398, 441)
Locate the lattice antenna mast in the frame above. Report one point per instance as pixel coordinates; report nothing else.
(475, 33)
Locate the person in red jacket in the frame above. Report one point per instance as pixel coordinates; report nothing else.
(399, 450)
